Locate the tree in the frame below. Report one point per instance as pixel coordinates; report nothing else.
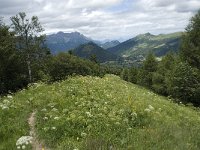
(190, 48)
(145, 74)
(125, 74)
(132, 75)
(30, 42)
(183, 83)
(93, 58)
(159, 77)
(12, 75)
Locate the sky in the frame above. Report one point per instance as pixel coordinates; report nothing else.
(105, 19)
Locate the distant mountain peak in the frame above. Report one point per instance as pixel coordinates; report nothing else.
(60, 32)
(76, 33)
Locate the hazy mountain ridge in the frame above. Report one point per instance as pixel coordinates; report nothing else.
(65, 41)
(144, 43)
(109, 44)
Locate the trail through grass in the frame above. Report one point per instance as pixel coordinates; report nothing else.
(98, 113)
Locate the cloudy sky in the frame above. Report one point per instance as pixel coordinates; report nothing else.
(106, 19)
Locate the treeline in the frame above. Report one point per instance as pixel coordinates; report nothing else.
(24, 58)
(177, 76)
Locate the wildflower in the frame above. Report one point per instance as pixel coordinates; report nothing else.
(151, 107)
(45, 118)
(24, 140)
(134, 114)
(54, 109)
(4, 107)
(9, 96)
(46, 128)
(23, 146)
(88, 114)
(56, 118)
(6, 102)
(44, 109)
(53, 128)
(147, 110)
(83, 134)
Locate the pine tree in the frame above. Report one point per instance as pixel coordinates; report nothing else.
(190, 48)
(145, 74)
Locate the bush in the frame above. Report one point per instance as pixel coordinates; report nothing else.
(183, 83)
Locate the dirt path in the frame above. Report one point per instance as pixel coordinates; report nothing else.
(35, 143)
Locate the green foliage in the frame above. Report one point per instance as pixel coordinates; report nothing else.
(145, 74)
(145, 43)
(30, 42)
(159, 77)
(63, 65)
(132, 75)
(12, 72)
(99, 113)
(125, 74)
(190, 49)
(183, 83)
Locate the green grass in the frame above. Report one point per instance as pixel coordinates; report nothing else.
(100, 113)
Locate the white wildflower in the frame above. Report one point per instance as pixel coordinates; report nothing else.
(54, 109)
(151, 107)
(56, 118)
(88, 114)
(4, 107)
(6, 101)
(45, 128)
(23, 146)
(147, 110)
(24, 140)
(134, 114)
(83, 134)
(44, 109)
(18, 147)
(45, 118)
(53, 128)
(9, 96)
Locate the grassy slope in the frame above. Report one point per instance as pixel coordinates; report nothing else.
(93, 113)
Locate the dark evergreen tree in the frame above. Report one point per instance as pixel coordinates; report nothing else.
(132, 75)
(125, 74)
(159, 77)
(145, 74)
(190, 48)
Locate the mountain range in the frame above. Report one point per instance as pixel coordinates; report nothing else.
(145, 43)
(133, 48)
(61, 41)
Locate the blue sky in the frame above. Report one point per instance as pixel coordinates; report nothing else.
(106, 19)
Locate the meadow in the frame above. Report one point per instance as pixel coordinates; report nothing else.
(93, 113)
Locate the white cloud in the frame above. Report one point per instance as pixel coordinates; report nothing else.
(106, 19)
